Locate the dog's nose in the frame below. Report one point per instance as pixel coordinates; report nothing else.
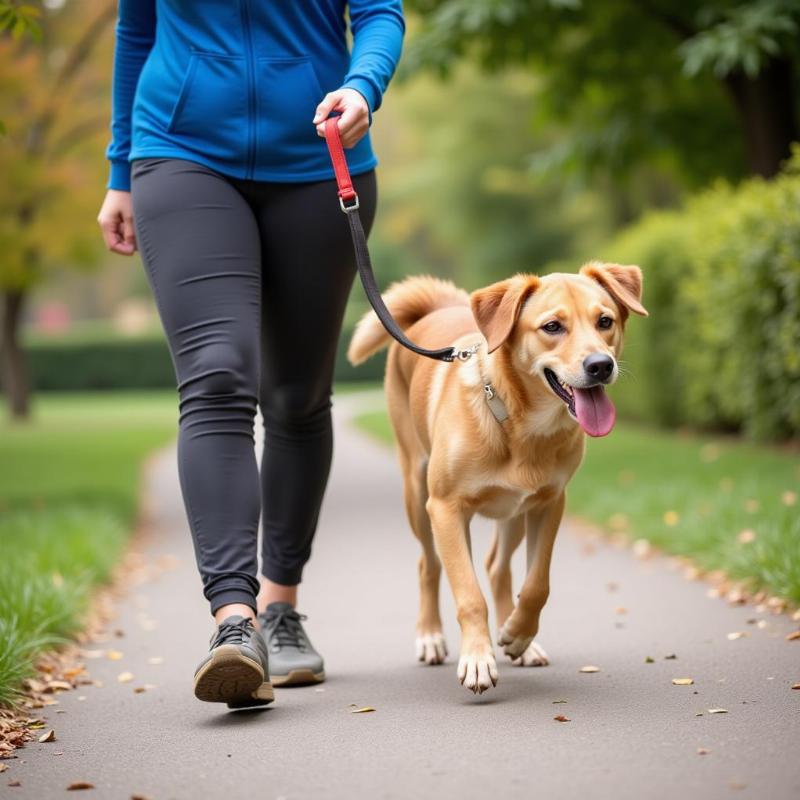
(599, 366)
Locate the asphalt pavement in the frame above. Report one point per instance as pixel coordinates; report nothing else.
(631, 733)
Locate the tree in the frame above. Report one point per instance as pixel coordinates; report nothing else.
(53, 101)
(710, 84)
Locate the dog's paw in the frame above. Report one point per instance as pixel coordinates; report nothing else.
(477, 671)
(513, 646)
(533, 656)
(431, 648)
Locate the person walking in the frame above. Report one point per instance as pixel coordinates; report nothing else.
(220, 177)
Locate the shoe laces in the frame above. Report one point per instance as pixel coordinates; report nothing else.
(233, 632)
(285, 628)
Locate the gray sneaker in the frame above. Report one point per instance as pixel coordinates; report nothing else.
(236, 670)
(293, 660)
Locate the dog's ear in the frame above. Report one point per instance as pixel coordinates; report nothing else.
(623, 283)
(496, 307)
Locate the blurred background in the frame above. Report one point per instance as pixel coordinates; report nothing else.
(518, 135)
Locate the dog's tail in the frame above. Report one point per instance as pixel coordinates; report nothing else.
(408, 301)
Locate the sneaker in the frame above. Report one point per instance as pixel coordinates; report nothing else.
(236, 670)
(292, 658)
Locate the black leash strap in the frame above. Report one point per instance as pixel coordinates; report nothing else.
(347, 194)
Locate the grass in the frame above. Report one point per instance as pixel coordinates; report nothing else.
(69, 494)
(689, 495)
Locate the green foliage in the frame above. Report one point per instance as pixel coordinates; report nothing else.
(633, 82)
(67, 508)
(722, 284)
(714, 488)
(20, 20)
(741, 38)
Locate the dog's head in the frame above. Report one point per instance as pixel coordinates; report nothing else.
(565, 330)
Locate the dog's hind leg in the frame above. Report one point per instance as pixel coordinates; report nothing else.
(541, 527)
(430, 643)
(508, 534)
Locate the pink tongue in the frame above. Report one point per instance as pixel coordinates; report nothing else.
(595, 412)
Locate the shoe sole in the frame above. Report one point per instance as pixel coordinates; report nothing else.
(233, 678)
(298, 677)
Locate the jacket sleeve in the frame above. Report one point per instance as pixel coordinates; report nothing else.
(378, 28)
(135, 34)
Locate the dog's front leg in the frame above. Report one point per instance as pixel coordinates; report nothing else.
(541, 527)
(477, 669)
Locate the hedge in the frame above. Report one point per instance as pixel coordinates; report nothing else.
(721, 348)
(105, 361)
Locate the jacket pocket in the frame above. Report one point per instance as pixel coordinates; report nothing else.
(211, 111)
(289, 92)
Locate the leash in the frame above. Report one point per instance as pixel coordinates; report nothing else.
(347, 194)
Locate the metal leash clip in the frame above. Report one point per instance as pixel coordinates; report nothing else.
(467, 352)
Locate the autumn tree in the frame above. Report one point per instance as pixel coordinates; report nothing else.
(54, 88)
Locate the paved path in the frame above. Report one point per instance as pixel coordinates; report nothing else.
(632, 733)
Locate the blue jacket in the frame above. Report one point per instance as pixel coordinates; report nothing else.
(234, 84)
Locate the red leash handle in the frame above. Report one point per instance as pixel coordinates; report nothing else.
(345, 183)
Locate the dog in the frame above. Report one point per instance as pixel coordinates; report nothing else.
(499, 433)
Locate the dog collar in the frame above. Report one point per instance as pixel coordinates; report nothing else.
(493, 400)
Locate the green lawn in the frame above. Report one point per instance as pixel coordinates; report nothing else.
(690, 495)
(69, 486)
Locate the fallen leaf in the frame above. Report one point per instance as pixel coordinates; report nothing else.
(3, 767)
(612, 587)
(620, 610)
(793, 636)
(702, 751)
(561, 718)
(125, 677)
(93, 653)
(717, 710)
(682, 681)
(556, 702)
(139, 689)
(13, 783)
(737, 635)
(49, 736)
(59, 753)
(642, 548)
(114, 655)
(670, 657)
(589, 668)
(649, 660)
(139, 797)
(76, 786)
(363, 710)
(796, 686)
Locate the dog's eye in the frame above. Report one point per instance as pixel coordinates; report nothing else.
(605, 322)
(554, 326)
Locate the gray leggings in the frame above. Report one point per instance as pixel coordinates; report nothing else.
(250, 280)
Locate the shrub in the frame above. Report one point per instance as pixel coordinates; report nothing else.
(721, 349)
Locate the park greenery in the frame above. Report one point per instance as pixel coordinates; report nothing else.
(72, 498)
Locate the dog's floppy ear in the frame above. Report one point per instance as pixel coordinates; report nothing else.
(623, 283)
(496, 307)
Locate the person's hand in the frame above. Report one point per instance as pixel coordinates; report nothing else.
(354, 119)
(116, 222)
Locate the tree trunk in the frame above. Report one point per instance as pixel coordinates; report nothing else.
(14, 366)
(768, 111)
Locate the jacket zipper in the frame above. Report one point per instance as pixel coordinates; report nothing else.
(251, 97)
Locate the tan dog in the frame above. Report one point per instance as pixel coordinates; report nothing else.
(499, 434)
